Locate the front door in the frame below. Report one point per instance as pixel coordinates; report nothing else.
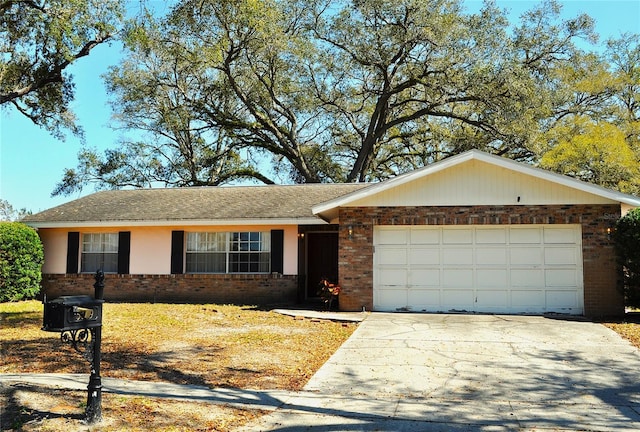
(322, 260)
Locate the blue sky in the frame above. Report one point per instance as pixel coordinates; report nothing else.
(32, 162)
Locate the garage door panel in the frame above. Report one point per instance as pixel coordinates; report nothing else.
(560, 256)
(527, 277)
(425, 236)
(491, 256)
(526, 256)
(559, 300)
(392, 256)
(560, 278)
(525, 235)
(424, 277)
(491, 236)
(457, 236)
(457, 256)
(457, 278)
(492, 278)
(424, 256)
(423, 299)
(499, 269)
(395, 236)
(457, 299)
(390, 299)
(528, 299)
(389, 277)
(492, 300)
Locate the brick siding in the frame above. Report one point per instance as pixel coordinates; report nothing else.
(249, 289)
(602, 296)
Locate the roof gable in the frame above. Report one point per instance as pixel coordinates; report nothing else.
(476, 178)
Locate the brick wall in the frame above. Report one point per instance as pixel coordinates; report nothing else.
(186, 288)
(602, 296)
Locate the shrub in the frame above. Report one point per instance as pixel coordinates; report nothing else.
(21, 258)
(627, 242)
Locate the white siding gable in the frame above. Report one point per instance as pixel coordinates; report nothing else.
(476, 182)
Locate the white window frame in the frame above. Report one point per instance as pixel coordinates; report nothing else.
(104, 248)
(243, 252)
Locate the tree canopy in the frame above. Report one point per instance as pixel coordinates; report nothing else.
(8, 213)
(361, 90)
(39, 39)
(595, 136)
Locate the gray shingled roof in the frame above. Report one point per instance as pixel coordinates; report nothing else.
(196, 204)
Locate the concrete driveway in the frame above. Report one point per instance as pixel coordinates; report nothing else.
(428, 372)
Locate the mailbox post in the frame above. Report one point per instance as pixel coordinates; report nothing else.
(94, 396)
(79, 321)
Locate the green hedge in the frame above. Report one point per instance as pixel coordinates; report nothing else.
(627, 241)
(21, 258)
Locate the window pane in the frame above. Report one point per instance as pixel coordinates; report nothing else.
(111, 243)
(110, 263)
(99, 252)
(244, 262)
(234, 263)
(192, 239)
(92, 262)
(222, 242)
(206, 242)
(89, 262)
(216, 263)
(206, 262)
(265, 264)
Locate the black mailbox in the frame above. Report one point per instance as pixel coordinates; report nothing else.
(72, 313)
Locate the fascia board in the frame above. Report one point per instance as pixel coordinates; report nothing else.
(164, 223)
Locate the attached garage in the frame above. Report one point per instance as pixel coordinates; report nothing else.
(498, 269)
(479, 233)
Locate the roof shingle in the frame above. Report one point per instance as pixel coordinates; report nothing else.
(196, 204)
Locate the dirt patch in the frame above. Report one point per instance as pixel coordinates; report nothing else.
(30, 408)
(209, 345)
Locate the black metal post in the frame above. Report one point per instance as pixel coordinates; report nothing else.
(93, 412)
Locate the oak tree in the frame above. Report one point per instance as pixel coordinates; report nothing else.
(352, 90)
(39, 40)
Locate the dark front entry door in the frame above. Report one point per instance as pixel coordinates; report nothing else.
(322, 260)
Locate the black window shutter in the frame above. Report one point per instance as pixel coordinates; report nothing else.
(277, 251)
(124, 251)
(177, 252)
(73, 249)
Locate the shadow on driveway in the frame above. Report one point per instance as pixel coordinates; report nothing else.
(470, 372)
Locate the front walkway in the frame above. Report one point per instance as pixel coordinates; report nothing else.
(255, 399)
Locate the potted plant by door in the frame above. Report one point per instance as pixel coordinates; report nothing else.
(329, 293)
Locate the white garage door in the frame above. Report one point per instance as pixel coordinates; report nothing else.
(498, 269)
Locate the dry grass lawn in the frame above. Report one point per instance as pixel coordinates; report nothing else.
(628, 328)
(211, 345)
